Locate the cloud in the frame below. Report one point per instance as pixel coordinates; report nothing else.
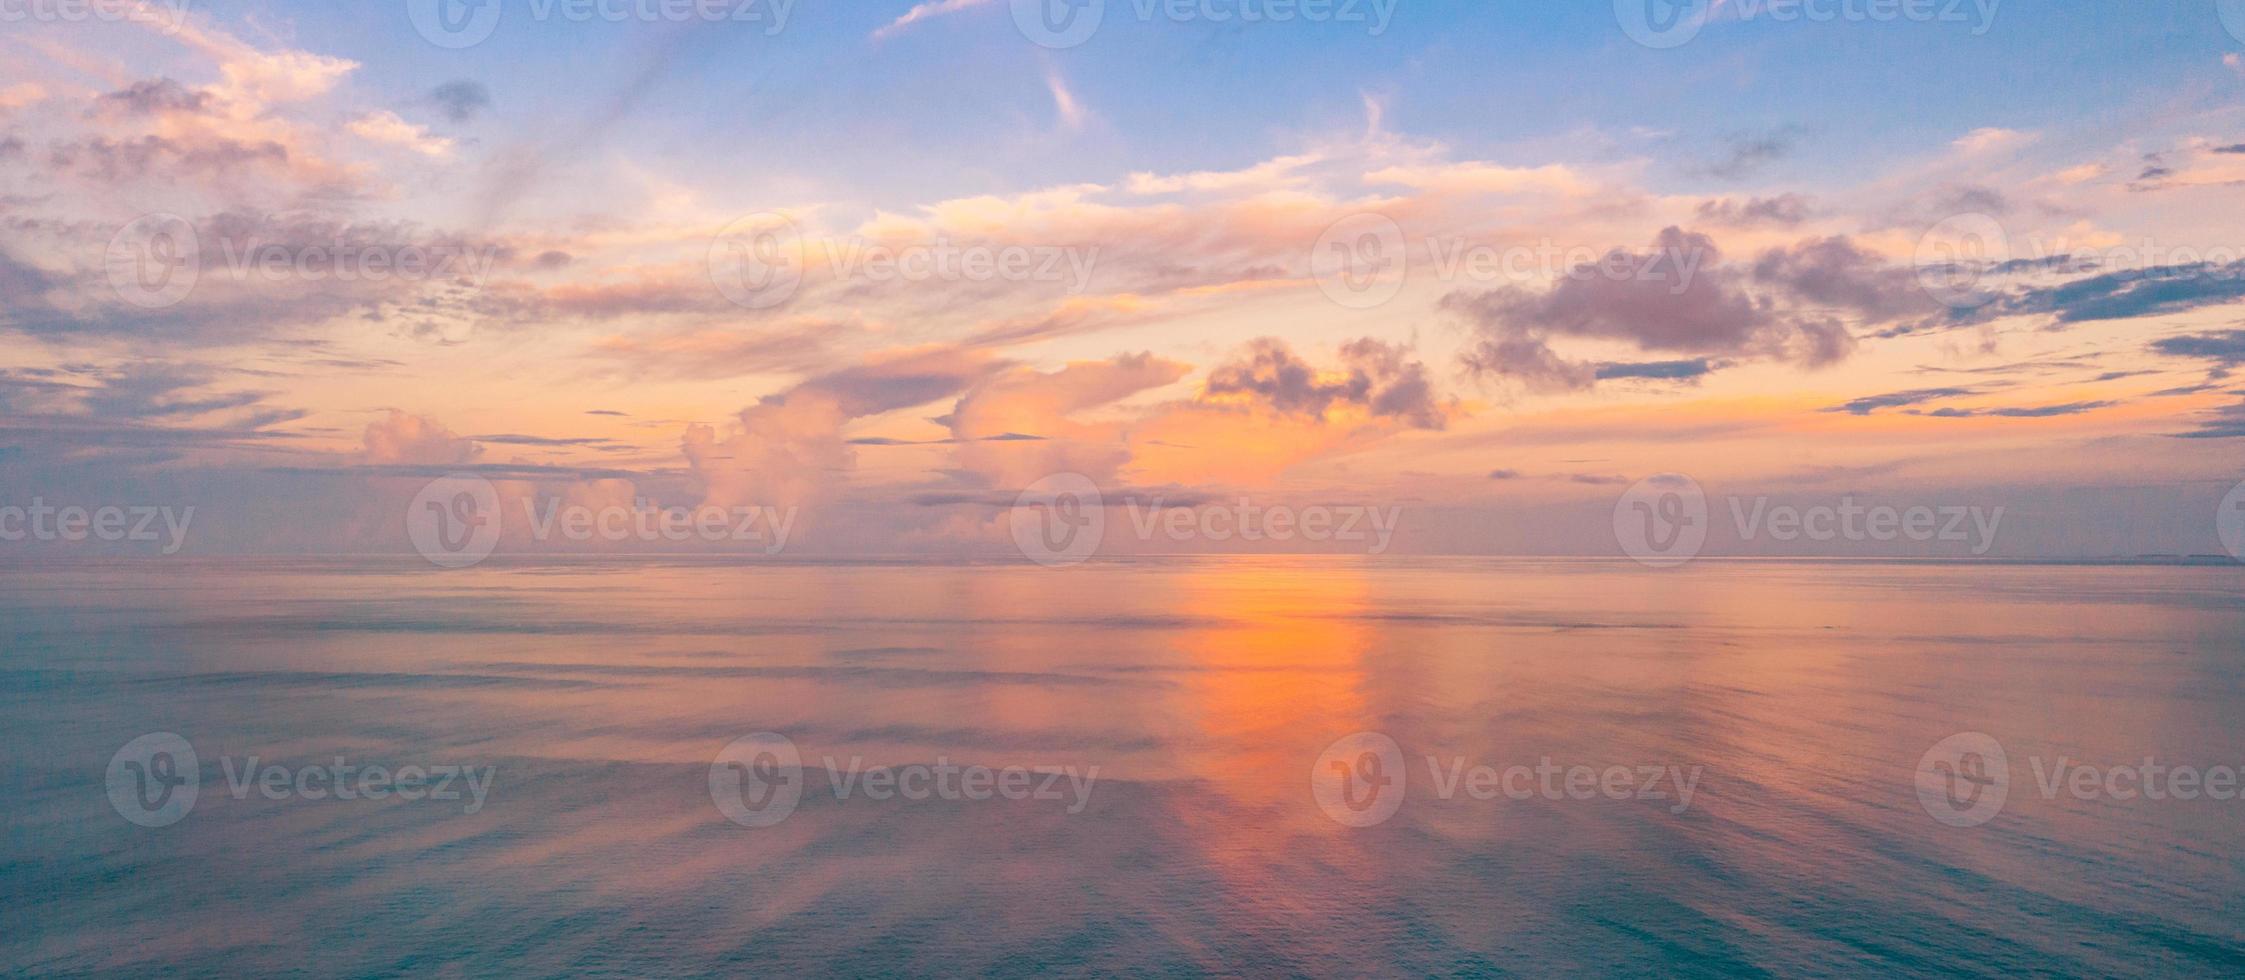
(461, 100)
(401, 438)
(155, 97)
(1072, 112)
(925, 12)
(1745, 154)
(1873, 403)
(1783, 211)
(384, 126)
(1691, 370)
(2036, 412)
(2225, 348)
(788, 449)
(1677, 297)
(2130, 293)
(1377, 377)
(1020, 425)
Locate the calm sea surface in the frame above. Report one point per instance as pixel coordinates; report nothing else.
(1186, 704)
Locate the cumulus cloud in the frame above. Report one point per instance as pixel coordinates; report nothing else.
(1376, 377)
(789, 449)
(1678, 298)
(399, 437)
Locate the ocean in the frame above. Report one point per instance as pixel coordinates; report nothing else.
(1154, 768)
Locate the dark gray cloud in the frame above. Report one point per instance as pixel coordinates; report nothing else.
(1835, 272)
(1679, 297)
(1691, 370)
(2226, 349)
(2035, 412)
(2227, 422)
(1873, 403)
(109, 161)
(154, 97)
(1784, 210)
(461, 100)
(1744, 154)
(1379, 376)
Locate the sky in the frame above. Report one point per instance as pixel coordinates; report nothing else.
(1495, 269)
